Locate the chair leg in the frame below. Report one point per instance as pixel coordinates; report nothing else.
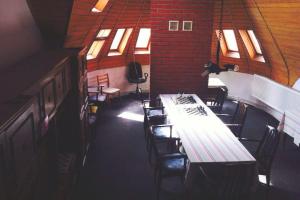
(268, 177)
(158, 187)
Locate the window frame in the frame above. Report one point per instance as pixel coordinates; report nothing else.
(122, 37)
(147, 48)
(224, 46)
(98, 39)
(252, 52)
(118, 51)
(101, 6)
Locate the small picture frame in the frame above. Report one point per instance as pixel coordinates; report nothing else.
(173, 25)
(187, 25)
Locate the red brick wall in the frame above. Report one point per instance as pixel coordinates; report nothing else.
(177, 57)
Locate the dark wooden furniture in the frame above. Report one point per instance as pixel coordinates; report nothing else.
(43, 126)
(233, 181)
(216, 103)
(237, 120)
(266, 150)
(171, 164)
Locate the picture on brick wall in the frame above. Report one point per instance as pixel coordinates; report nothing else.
(187, 26)
(173, 25)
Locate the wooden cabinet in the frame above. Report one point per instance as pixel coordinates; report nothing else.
(60, 86)
(3, 182)
(20, 135)
(41, 128)
(49, 98)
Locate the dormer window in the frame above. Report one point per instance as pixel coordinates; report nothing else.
(252, 45)
(99, 6)
(120, 41)
(229, 45)
(103, 33)
(98, 44)
(94, 49)
(143, 42)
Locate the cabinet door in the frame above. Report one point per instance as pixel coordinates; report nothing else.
(21, 136)
(68, 80)
(49, 98)
(3, 183)
(59, 87)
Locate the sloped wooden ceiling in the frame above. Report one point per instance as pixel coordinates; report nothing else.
(275, 22)
(84, 26)
(52, 17)
(277, 26)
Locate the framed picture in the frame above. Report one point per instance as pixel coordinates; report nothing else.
(187, 25)
(173, 25)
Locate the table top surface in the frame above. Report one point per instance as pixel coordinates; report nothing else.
(205, 138)
(215, 82)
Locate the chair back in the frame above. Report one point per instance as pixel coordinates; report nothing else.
(217, 103)
(267, 147)
(134, 71)
(240, 114)
(92, 81)
(238, 182)
(103, 79)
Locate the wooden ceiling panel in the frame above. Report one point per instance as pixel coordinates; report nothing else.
(52, 18)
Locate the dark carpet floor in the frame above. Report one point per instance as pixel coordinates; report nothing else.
(117, 166)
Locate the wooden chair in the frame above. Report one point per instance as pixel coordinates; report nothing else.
(103, 83)
(95, 94)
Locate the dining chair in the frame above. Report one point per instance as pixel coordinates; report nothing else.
(266, 150)
(233, 181)
(216, 103)
(168, 164)
(162, 133)
(150, 111)
(237, 120)
(104, 85)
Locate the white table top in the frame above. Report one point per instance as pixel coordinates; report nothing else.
(205, 138)
(215, 82)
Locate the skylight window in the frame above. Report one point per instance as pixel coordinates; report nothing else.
(100, 5)
(120, 41)
(143, 38)
(252, 45)
(103, 33)
(116, 42)
(94, 49)
(254, 41)
(228, 42)
(98, 44)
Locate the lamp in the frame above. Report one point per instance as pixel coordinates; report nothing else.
(211, 67)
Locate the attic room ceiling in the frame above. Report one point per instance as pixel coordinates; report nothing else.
(276, 24)
(84, 24)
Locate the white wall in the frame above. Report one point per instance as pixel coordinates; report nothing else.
(268, 95)
(118, 79)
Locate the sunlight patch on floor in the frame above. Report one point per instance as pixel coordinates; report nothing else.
(263, 179)
(132, 116)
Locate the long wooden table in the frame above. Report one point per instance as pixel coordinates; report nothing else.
(205, 138)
